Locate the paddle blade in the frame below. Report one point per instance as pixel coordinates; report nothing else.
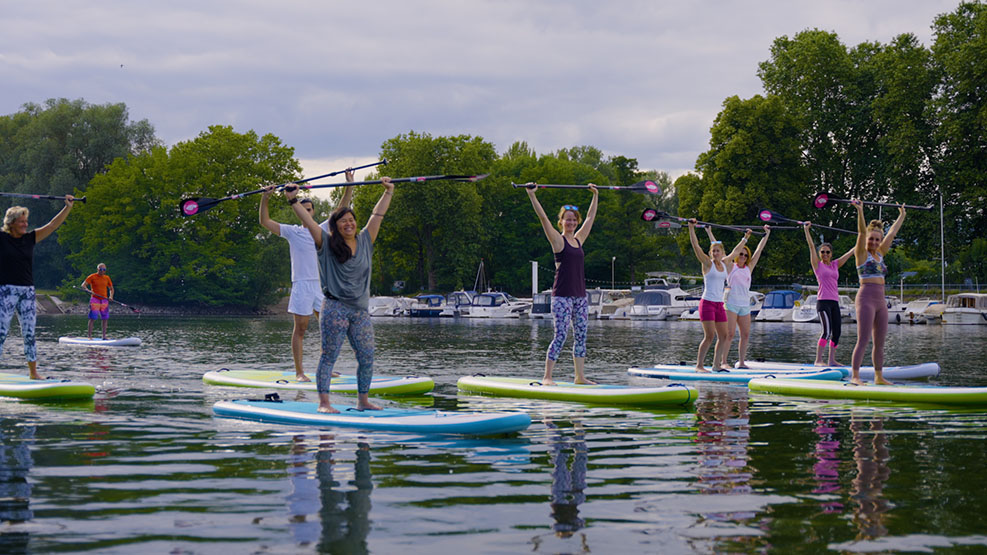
(649, 214)
(766, 215)
(648, 187)
(667, 224)
(193, 206)
(821, 200)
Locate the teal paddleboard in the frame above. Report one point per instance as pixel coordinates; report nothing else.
(392, 420)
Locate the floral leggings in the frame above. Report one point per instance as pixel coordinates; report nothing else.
(566, 310)
(20, 299)
(338, 322)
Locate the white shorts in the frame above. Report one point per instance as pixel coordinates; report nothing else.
(306, 297)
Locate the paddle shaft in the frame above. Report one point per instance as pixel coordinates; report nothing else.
(873, 203)
(782, 218)
(300, 181)
(46, 197)
(106, 298)
(461, 178)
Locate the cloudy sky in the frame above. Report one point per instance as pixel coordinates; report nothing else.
(332, 79)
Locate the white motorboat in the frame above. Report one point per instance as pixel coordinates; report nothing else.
(757, 300)
(650, 305)
(429, 306)
(848, 309)
(806, 311)
(916, 312)
(604, 304)
(965, 308)
(497, 305)
(387, 306)
(896, 311)
(778, 306)
(459, 302)
(541, 306)
(680, 301)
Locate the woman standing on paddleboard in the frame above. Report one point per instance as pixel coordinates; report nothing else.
(872, 310)
(827, 272)
(738, 298)
(569, 302)
(712, 312)
(345, 254)
(17, 275)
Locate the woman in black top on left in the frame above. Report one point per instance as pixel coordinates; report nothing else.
(17, 275)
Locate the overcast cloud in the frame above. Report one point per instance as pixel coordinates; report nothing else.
(643, 79)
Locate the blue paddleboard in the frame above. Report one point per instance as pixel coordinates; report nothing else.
(392, 420)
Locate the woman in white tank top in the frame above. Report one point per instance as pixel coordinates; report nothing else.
(738, 299)
(712, 313)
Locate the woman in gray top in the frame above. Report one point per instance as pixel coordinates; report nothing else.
(345, 255)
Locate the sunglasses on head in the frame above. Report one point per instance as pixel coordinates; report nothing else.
(570, 207)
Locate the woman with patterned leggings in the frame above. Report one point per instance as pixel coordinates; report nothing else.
(827, 272)
(17, 275)
(872, 310)
(569, 302)
(345, 254)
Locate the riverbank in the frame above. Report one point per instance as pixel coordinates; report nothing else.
(49, 304)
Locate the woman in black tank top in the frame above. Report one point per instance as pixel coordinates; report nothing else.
(569, 302)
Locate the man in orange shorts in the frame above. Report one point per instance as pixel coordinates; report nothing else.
(100, 286)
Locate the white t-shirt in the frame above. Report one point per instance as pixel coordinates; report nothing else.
(301, 246)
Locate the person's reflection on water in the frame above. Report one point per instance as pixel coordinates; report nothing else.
(722, 437)
(568, 482)
(871, 454)
(15, 489)
(826, 470)
(345, 515)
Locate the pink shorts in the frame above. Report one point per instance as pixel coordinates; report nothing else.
(712, 311)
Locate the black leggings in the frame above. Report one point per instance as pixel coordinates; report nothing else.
(832, 323)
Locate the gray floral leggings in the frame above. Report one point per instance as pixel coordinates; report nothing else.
(338, 322)
(20, 299)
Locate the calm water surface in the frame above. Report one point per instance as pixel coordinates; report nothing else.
(145, 467)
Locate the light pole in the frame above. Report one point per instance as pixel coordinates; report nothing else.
(612, 260)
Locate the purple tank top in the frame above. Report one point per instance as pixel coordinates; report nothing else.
(828, 278)
(570, 280)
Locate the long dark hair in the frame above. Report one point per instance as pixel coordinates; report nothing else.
(337, 244)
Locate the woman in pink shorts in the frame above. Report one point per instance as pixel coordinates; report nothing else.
(712, 312)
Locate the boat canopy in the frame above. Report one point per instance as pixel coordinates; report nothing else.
(653, 297)
(430, 300)
(967, 300)
(780, 299)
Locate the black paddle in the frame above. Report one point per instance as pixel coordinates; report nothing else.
(48, 197)
(645, 187)
(459, 178)
(822, 199)
(195, 205)
(650, 215)
(107, 298)
(769, 216)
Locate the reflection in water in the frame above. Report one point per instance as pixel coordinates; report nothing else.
(343, 517)
(15, 489)
(569, 459)
(827, 468)
(722, 438)
(870, 452)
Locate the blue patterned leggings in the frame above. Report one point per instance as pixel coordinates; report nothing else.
(566, 310)
(20, 299)
(338, 322)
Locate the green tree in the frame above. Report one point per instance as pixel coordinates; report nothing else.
(754, 163)
(217, 258)
(959, 115)
(56, 148)
(433, 229)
